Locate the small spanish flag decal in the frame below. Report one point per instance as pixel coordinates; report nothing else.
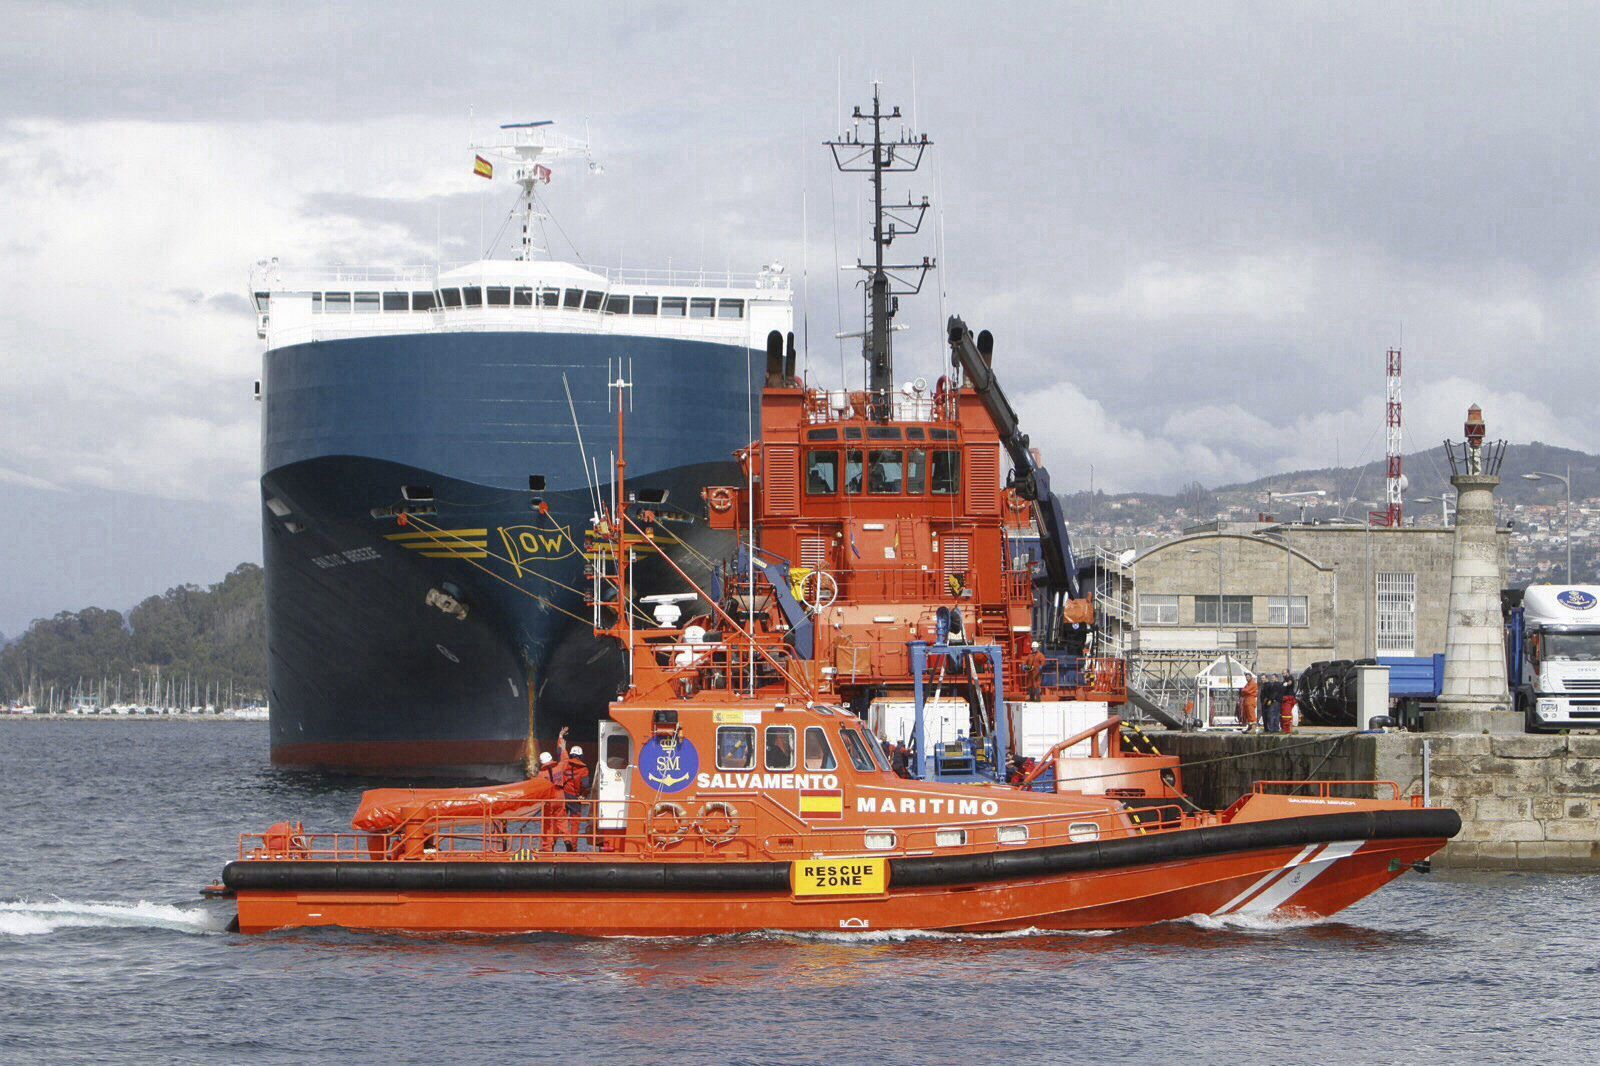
(821, 803)
(482, 167)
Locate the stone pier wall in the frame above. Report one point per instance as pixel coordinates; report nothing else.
(1526, 802)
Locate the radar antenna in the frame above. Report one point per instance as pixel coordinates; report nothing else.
(854, 153)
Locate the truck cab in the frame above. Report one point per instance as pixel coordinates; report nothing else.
(1554, 650)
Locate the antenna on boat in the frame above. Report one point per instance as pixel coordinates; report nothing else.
(886, 282)
(526, 146)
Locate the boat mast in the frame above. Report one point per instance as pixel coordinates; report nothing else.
(886, 282)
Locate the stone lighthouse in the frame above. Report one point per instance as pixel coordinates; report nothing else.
(1475, 697)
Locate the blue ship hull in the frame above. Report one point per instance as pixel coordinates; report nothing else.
(365, 674)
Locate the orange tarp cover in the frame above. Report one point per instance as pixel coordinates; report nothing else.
(383, 809)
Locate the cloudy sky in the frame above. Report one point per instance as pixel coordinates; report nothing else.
(1194, 228)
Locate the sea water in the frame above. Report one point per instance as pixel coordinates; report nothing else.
(109, 829)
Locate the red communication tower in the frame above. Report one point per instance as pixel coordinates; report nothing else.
(1394, 484)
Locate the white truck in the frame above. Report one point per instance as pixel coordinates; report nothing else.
(1553, 653)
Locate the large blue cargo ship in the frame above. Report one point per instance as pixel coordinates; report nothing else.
(433, 443)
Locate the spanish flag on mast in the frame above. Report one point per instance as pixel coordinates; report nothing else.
(482, 167)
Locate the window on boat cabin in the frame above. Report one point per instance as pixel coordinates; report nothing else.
(916, 472)
(617, 751)
(499, 296)
(915, 433)
(702, 307)
(1157, 610)
(316, 303)
(573, 299)
(736, 747)
(856, 748)
(337, 302)
(1224, 610)
(946, 472)
(674, 306)
(423, 301)
(644, 305)
(367, 302)
(822, 434)
(877, 748)
(822, 473)
(472, 296)
(885, 472)
(852, 472)
(730, 308)
(396, 301)
(942, 434)
(883, 432)
(819, 753)
(261, 300)
(522, 296)
(852, 432)
(549, 297)
(450, 298)
(780, 747)
(616, 305)
(592, 300)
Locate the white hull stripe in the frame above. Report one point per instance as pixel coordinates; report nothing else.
(1278, 887)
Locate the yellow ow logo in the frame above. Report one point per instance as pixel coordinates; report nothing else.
(526, 545)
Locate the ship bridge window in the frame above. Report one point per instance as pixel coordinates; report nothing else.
(396, 301)
(852, 473)
(367, 302)
(885, 472)
(337, 302)
(819, 755)
(702, 307)
(946, 472)
(644, 305)
(942, 434)
(673, 306)
(883, 432)
(499, 296)
(522, 296)
(573, 299)
(261, 300)
(852, 432)
(822, 473)
(616, 305)
(423, 301)
(316, 303)
(780, 747)
(856, 748)
(450, 298)
(823, 434)
(549, 297)
(736, 747)
(730, 308)
(915, 433)
(593, 300)
(916, 472)
(472, 296)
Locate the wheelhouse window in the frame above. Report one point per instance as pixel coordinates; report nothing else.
(730, 308)
(337, 302)
(674, 307)
(316, 303)
(852, 472)
(1223, 610)
(262, 299)
(573, 300)
(852, 432)
(451, 298)
(472, 296)
(883, 432)
(367, 303)
(885, 472)
(616, 305)
(942, 434)
(549, 297)
(736, 747)
(592, 300)
(499, 296)
(780, 747)
(916, 472)
(644, 305)
(617, 754)
(915, 433)
(856, 748)
(396, 301)
(819, 754)
(822, 473)
(946, 472)
(702, 307)
(423, 301)
(522, 296)
(1158, 610)
(830, 433)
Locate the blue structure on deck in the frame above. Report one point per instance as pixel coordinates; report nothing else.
(974, 759)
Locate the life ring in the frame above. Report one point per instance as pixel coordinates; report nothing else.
(818, 590)
(720, 497)
(680, 825)
(729, 812)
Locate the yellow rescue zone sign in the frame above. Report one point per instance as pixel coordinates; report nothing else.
(840, 877)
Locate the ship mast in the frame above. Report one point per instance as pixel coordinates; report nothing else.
(526, 146)
(886, 282)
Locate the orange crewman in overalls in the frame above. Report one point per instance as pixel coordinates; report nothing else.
(1249, 697)
(576, 787)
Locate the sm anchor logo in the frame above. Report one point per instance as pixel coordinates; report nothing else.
(526, 545)
(1576, 599)
(669, 767)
